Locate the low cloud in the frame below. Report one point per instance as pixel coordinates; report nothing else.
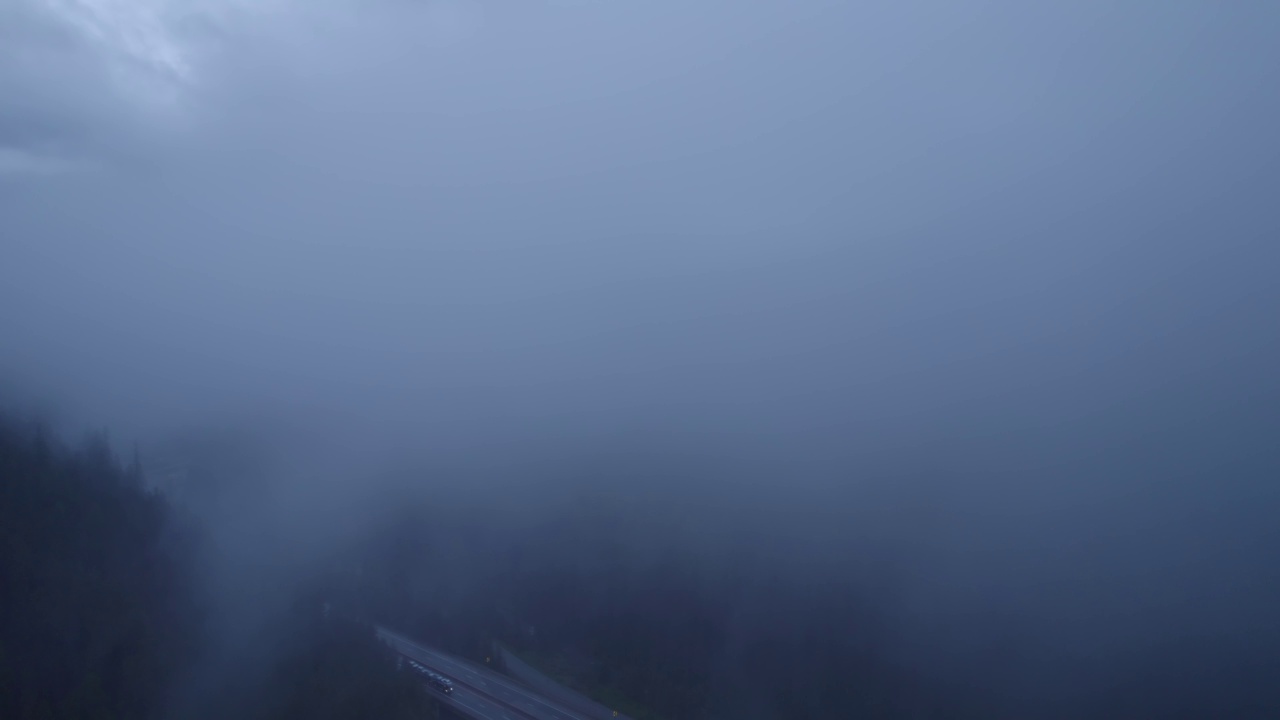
(17, 162)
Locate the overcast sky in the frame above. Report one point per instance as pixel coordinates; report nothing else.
(1032, 243)
(580, 207)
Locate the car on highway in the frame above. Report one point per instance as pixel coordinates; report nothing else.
(438, 681)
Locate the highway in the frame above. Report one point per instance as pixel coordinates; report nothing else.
(480, 692)
(475, 705)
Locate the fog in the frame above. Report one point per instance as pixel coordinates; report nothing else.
(984, 291)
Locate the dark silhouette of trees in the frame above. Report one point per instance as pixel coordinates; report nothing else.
(101, 616)
(96, 609)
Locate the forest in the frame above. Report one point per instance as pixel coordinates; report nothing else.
(670, 626)
(110, 609)
(102, 615)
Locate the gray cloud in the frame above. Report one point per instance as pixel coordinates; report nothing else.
(828, 184)
(15, 161)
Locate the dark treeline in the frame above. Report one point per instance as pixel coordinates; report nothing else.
(102, 616)
(671, 626)
(656, 631)
(661, 604)
(96, 609)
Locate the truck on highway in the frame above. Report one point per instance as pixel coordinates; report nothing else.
(437, 681)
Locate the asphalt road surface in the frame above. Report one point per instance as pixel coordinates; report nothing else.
(476, 705)
(479, 691)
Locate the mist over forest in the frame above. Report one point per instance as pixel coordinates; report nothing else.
(718, 360)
